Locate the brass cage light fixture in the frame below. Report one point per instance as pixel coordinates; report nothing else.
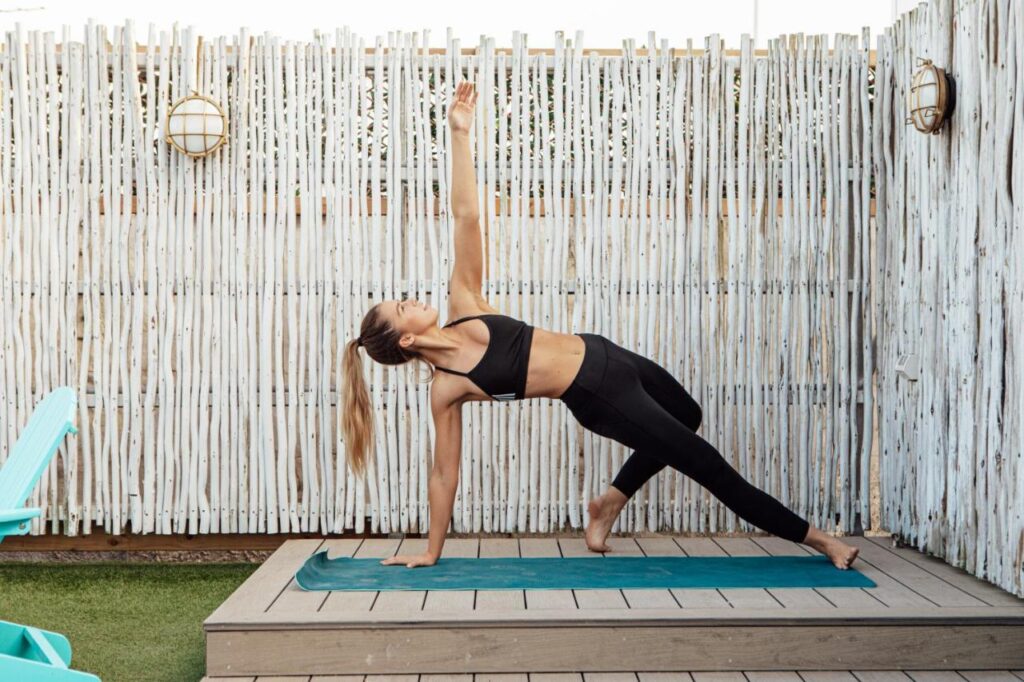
(931, 98)
(196, 125)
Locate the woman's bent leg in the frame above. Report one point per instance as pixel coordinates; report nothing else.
(659, 383)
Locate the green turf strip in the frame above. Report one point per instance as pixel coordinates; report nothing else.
(125, 621)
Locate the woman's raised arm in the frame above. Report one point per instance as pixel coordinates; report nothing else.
(467, 272)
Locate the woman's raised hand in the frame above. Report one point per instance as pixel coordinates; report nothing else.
(460, 111)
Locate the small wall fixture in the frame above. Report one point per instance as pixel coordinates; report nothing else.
(196, 125)
(931, 98)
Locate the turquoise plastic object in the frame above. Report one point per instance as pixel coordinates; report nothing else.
(563, 573)
(29, 654)
(52, 419)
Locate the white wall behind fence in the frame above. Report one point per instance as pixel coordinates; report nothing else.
(709, 212)
(951, 214)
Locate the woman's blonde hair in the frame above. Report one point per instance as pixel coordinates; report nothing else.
(380, 340)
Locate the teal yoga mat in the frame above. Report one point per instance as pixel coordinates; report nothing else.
(562, 573)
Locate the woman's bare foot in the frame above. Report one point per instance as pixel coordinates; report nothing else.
(603, 511)
(841, 554)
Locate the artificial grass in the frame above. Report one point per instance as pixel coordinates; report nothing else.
(125, 621)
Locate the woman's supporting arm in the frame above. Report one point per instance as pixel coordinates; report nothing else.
(444, 474)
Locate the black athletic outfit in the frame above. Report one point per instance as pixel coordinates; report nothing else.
(631, 399)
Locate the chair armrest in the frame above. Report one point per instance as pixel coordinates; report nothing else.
(22, 514)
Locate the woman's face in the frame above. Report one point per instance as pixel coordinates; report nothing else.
(410, 316)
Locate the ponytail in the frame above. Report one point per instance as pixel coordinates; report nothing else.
(356, 416)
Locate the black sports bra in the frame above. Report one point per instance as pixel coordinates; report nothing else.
(501, 372)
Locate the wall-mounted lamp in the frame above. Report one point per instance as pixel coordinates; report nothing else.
(931, 98)
(196, 125)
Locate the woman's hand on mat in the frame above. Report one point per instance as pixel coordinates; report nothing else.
(411, 560)
(460, 111)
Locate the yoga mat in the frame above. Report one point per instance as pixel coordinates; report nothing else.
(562, 573)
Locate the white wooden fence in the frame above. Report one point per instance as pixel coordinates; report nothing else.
(951, 214)
(710, 211)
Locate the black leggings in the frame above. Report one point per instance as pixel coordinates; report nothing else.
(637, 402)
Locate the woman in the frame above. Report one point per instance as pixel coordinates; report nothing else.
(483, 355)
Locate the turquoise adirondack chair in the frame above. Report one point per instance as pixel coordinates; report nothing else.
(29, 654)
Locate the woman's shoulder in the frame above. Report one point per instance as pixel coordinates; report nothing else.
(467, 304)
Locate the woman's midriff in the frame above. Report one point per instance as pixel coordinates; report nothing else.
(555, 359)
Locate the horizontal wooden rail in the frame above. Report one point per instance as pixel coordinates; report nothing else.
(531, 206)
(532, 51)
(769, 389)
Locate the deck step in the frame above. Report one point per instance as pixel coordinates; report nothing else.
(919, 617)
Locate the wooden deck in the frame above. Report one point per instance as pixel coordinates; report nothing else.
(924, 615)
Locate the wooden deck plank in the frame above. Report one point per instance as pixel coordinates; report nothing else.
(401, 601)
(545, 599)
(715, 616)
(294, 599)
(556, 677)
(260, 590)
(988, 675)
(772, 675)
(717, 676)
(692, 598)
(331, 678)
(794, 597)
(700, 598)
(880, 675)
(934, 675)
(977, 587)
(576, 547)
(699, 545)
(664, 677)
(346, 600)
(888, 591)
(501, 677)
(659, 546)
(609, 677)
(455, 600)
(740, 546)
(841, 597)
(914, 577)
(491, 600)
(746, 597)
(647, 599)
(434, 677)
(777, 546)
(827, 676)
(623, 546)
(749, 598)
(605, 598)
(392, 678)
